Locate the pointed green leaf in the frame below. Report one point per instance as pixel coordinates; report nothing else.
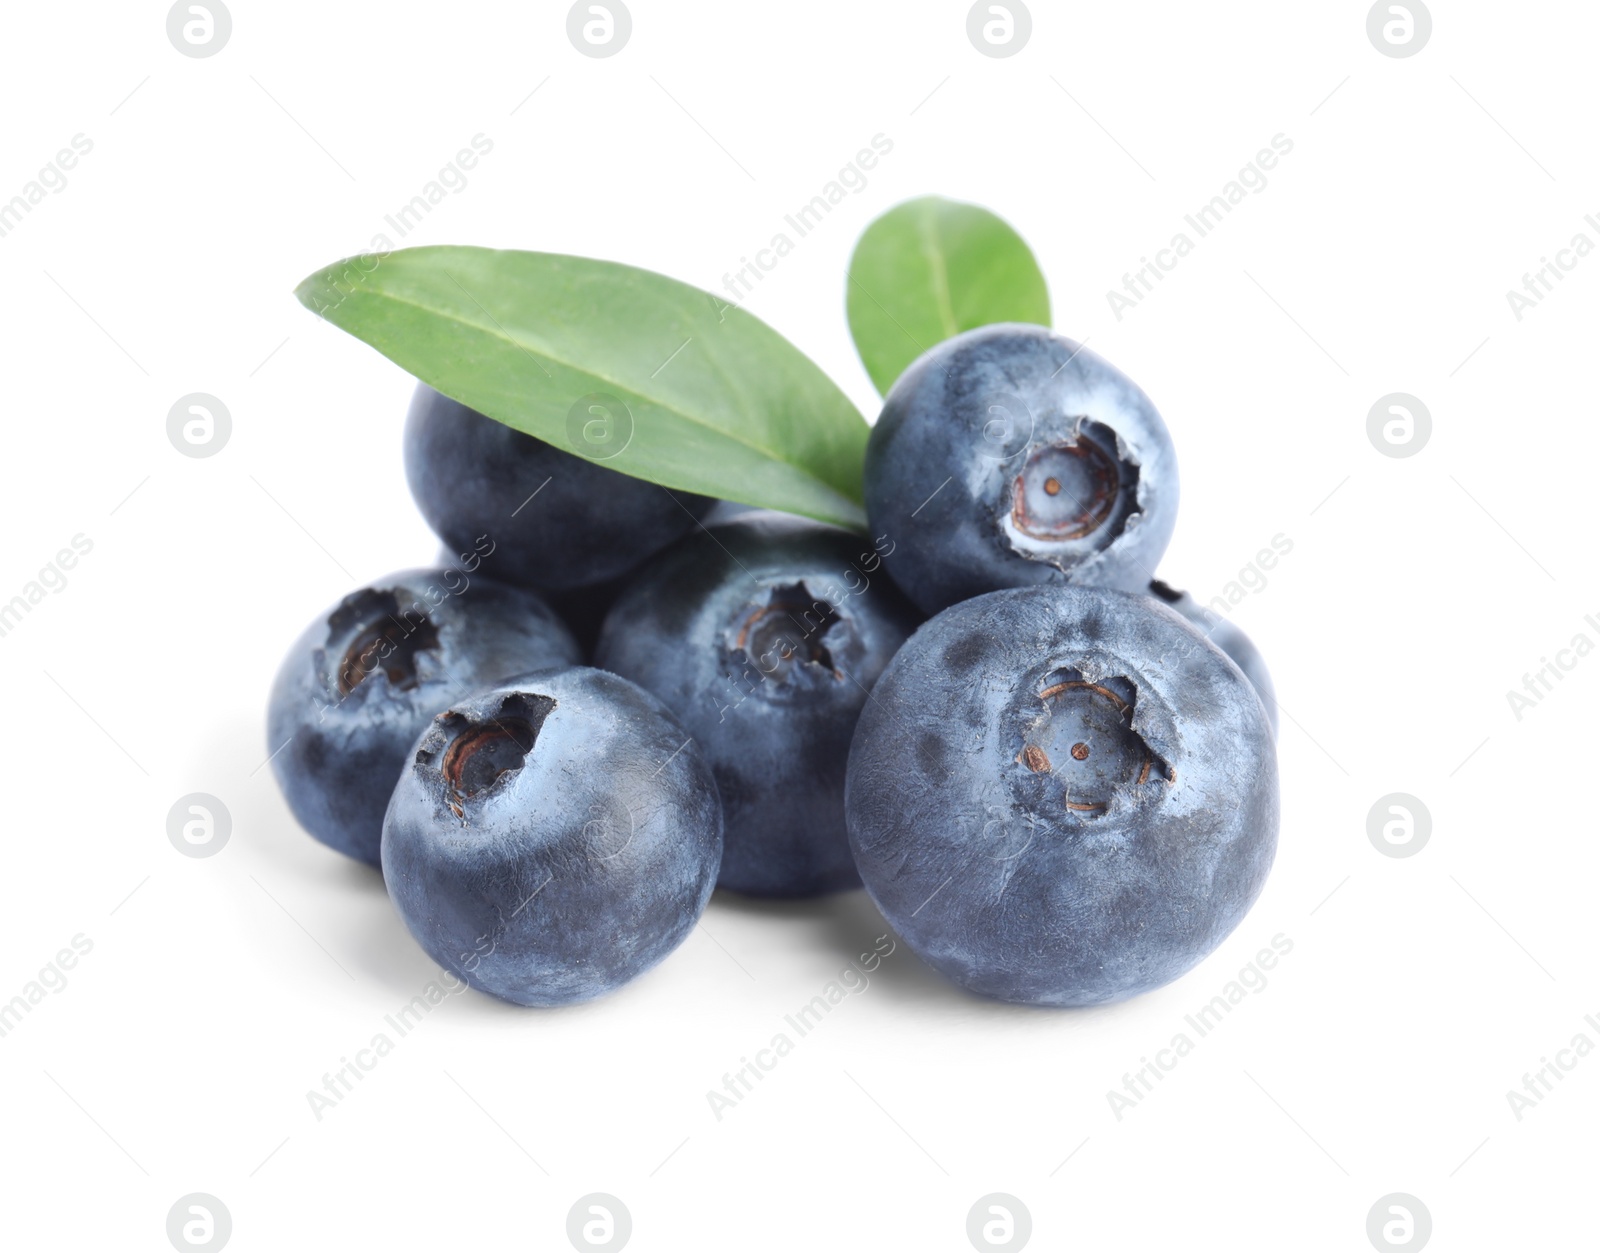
(932, 268)
(631, 369)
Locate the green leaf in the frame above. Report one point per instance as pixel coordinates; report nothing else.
(932, 268)
(712, 399)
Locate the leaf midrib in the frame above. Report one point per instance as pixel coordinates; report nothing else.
(928, 230)
(770, 454)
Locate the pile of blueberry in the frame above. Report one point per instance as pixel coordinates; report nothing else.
(1055, 775)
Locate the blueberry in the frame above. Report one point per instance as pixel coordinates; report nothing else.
(539, 516)
(764, 636)
(1010, 456)
(553, 838)
(1063, 796)
(363, 680)
(1229, 638)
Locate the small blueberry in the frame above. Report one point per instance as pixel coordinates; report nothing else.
(765, 636)
(1010, 456)
(541, 517)
(554, 837)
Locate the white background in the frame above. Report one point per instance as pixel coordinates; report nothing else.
(219, 991)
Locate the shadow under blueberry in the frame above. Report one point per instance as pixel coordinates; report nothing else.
(849, 926)
(371, 941)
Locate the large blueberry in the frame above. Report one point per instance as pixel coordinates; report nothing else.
(539, 515)
(1229, 638)
(1063, 796)
(363, 680)
(1010, 456)
(553, 838)
(765, 635)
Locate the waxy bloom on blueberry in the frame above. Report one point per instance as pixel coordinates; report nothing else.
(1063, 796)
(553, 838)
(1229, 638)
(554, 521)
(765, 636)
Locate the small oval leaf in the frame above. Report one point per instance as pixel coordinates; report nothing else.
(631, 369)
(932, 268)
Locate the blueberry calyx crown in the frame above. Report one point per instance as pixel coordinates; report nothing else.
(789, 635)
(472, 755)
(1072, 496)
(369, 632)
(1082, 738)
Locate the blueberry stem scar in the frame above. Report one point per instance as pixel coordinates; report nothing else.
(483, 752)
(1038, 760)
(1083, 462)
